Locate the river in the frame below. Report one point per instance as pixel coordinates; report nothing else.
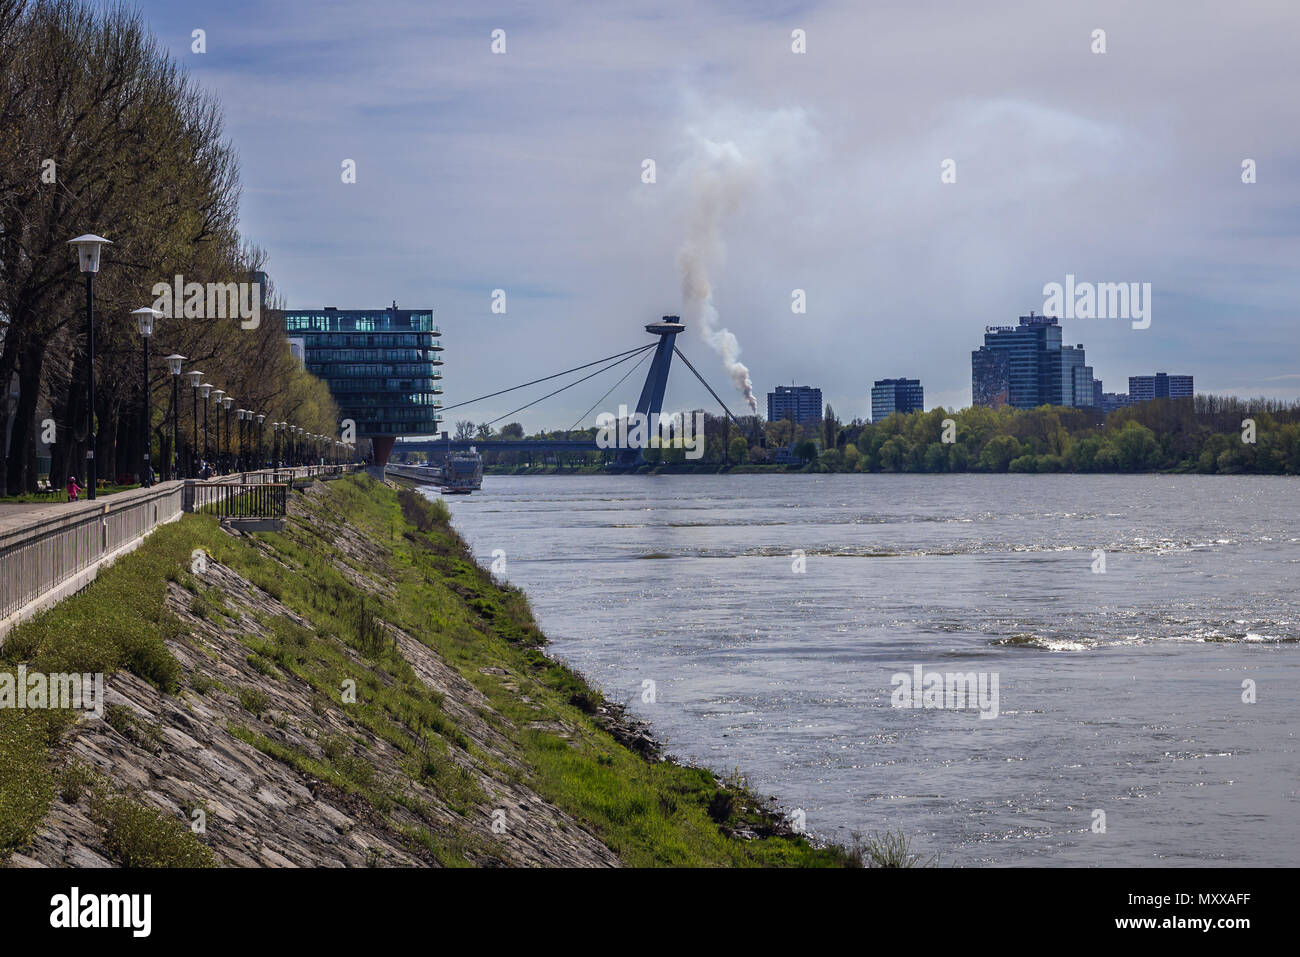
(759, 621)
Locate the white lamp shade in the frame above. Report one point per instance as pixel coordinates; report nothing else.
(144, 319)
(227, 402)
(88, 249)
(195, 379)
(206, 389)
(174, 363)
(261, 417)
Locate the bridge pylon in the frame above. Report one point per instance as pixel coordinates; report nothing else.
(651, 402)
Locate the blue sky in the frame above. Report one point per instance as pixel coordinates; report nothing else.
(523, 171)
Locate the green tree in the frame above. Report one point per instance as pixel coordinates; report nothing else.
(999, 453)
(1136, 447)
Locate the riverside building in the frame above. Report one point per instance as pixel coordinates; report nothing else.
(381, 366)
(1026, 365)
(799, 403)
(896, 395)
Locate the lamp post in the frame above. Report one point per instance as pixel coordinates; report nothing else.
(195, 379)
(227, 402)
(206, 389)
(261, 417)
(216, 398)
(244, 416)
(174, 367)
(89, 247)
(144, 320)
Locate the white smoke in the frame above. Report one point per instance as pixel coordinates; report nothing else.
(720, 176)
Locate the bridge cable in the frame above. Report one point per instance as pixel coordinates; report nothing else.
(571, 384)
(709, 387)
(606, 395)
(544, 378)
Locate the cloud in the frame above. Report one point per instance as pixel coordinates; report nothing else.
(522, 172)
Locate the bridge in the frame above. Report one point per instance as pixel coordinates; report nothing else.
(435, 445)
(650, 403)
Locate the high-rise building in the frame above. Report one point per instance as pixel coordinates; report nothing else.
(1143, 388)
(1028, 365)
(381, 366)
(896, 395)
(799, 403)
(990, 377)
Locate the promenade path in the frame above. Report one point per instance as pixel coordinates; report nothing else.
(18, 515)
(49, 550)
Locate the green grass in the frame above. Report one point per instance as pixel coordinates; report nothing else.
(427, 585)
(139, 836)
(61, 495)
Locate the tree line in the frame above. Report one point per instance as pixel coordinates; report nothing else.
(1208, 434)
(102, 131)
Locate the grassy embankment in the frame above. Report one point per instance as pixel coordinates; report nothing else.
(648, 813)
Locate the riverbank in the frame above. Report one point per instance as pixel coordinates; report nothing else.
(352, 691)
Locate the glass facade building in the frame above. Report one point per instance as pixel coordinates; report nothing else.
(896, 395)
(1026, 366)
(381, 365)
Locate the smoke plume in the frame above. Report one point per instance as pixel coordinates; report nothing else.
(720, 180)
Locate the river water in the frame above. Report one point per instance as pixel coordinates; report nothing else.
(1118, 691)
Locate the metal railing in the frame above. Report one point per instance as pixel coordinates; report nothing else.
(238, 499)
(56, 544)
(38, 558)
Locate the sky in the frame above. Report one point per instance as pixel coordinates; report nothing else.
(816, 171)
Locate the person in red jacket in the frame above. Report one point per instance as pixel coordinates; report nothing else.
(73, 488)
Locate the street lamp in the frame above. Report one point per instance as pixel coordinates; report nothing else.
(174, 367)
(206, 389)
(195, 379)
(227, 402)
(244, 416)
(144, 317)
(216, 399)
(88, 250)
(261, 417)
(239, 442)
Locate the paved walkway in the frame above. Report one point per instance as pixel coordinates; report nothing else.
(24, 514)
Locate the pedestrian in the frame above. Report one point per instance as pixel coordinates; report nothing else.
(73, 488)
